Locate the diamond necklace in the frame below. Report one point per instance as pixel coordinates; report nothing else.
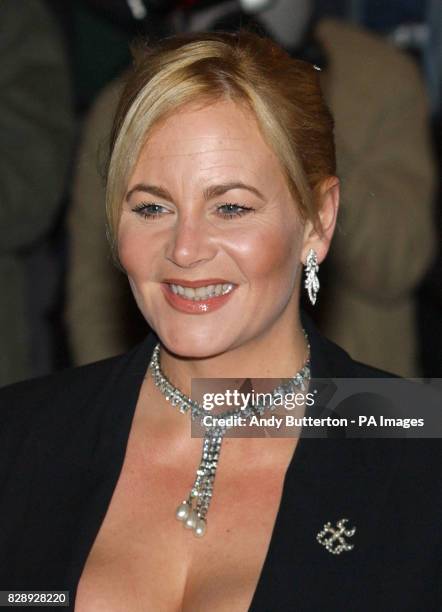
(193, 510)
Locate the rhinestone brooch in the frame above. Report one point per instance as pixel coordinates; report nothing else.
(333, 538)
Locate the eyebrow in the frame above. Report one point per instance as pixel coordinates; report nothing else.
(210, 192)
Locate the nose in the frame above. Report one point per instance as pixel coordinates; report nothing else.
(191, 242)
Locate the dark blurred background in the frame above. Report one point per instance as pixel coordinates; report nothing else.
(62, 301)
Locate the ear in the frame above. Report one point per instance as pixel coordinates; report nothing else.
(319, 238)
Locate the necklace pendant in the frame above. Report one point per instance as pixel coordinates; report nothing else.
(191, 519)
(192, 512)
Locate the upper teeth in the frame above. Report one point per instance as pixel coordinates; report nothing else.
(201, 293)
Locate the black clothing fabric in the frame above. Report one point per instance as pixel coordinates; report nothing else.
(62, 445)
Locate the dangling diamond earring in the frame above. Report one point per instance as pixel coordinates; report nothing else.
(311, 282)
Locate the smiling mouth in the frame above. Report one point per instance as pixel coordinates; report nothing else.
(197, 300)
(199, 294)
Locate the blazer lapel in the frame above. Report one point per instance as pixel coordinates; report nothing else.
(327, 480)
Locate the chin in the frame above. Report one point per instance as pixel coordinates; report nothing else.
(190, 345)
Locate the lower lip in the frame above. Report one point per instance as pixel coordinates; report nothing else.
(194, 307)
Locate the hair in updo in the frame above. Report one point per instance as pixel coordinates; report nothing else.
(283, 93)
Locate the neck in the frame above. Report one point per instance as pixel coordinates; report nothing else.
(277, 353)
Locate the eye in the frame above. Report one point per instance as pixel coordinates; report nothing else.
(149, 210)
(229, 211)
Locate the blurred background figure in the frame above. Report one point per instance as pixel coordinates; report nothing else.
(384, 160)
(36, 126)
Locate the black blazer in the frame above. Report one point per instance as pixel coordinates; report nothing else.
(62, 445)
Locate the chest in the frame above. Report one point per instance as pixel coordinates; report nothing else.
(143, 558)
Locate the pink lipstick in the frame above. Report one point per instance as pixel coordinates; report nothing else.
(202, 306)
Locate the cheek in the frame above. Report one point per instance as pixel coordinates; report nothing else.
(135, 251)
(270, 255)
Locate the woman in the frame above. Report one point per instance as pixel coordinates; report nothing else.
(221, 186)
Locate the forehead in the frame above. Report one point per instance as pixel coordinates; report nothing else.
(223, 126)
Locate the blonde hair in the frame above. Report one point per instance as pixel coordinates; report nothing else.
(283, 93)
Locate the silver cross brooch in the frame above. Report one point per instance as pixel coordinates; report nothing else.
(333, 538)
